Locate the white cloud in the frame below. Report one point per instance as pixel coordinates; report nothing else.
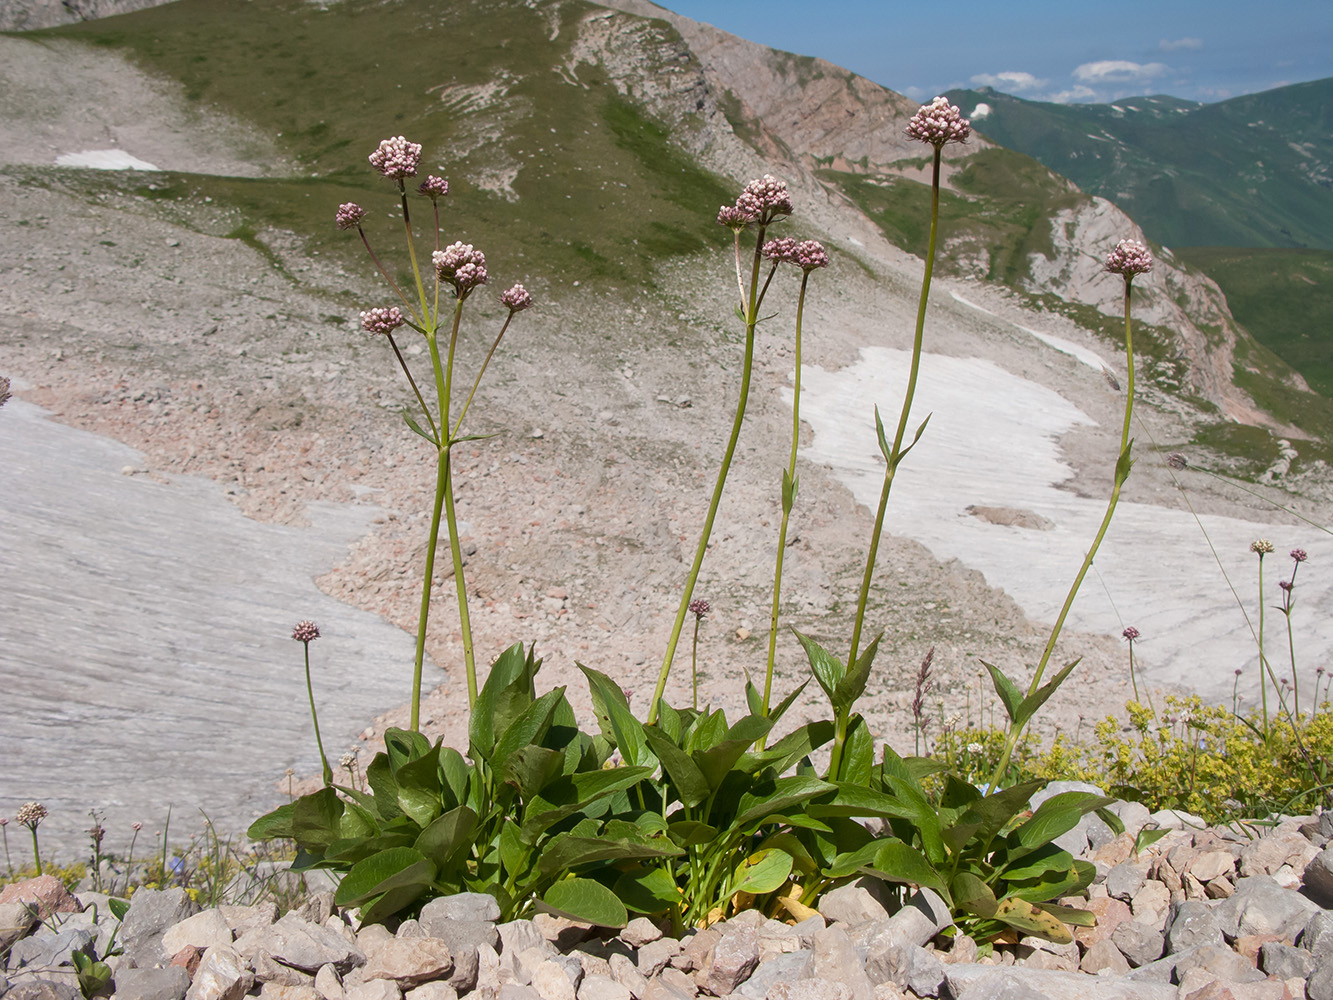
(1010, 81)
(1166, 45)
(1072, 96)
(915, 93)
(1117, 71)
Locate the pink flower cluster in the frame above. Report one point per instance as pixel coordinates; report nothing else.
(349, 215)
(306, 631)
(762, 201)
(937, 123)
(382, 320)
(434, 187)
(396, 157)
(1130, 257)
(516, 298)
(1130, 633)
(699, 607)
(460, 265)
(1300, 555)
(807, 255)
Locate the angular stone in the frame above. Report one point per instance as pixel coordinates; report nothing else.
(1134, 815)
(241, 918)
(282, 991)
(809, 989)
(518, 935)
(735, 956)
(45, 892)
(639, 932)
(170, 983)
(1318, 987)
(1286, 962)
(624, 972)
(517, 991)
(152, 911)
(552, 983)
(328, 983)
(1126, 879)
(835, 959)
(1194, 924)
(808, 928)
(1110, 914)
(203, 930)
(410, 961)
(852, 905)
(1250, 946)
(696, 951)
(1212, 864)
(1104, 956)
(1176, 819)
(1219, 960)
(1317, 937)
(222, 975)
(376, 989)
(15, 920)
(785, 968)
(654, 955)
(924, 915)
(562, 932)
(307, 946)
(268, 969)
(1139, 943)
(43, 989)
(48, 949)
(463, 906)
(1152, 904)
(1267, 854)
(989, 982)
(597, 987)
(1261, 906)
(1318, 878)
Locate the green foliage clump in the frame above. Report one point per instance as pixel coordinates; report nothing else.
(70, 875)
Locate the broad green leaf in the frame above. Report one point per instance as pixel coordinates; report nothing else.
(506, 693)
(958, 792)
(707, 731)
(455, 775)
(315, 819)
(787, 841)
(1116, 824)
(528, 728)
(1046, 858)
(858, 754)
(957, 836)
(447, 836)
(973, 895)
(585, 900)
(670, 722)
(761, 872)
(691, 833)
(753, 699)
(996, 811)
(1146, 838)
(1028, 919)
(1070, 914)
(647, 890)
(1057, 815)
(850, 862)
(570, 793)
(853, 684)
(1049, 885)
(691, 786)
(857, 800)
(1010, 695)
(615, 718)
(530, 769)
(792, 747)
(379, 776)
(118, 907)
(716, 761)
(777, 713)
(355, 823)
(418, 783)
(278, 823)
(392, 869)
(566, 851)
(827, 668)
(768, 798)
(403, 746)
(1038, 698)
(900, 862)
(384, 906)
(514, 854)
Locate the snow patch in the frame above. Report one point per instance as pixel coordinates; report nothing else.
(104, 159)
(981, 111)
(1089, 358)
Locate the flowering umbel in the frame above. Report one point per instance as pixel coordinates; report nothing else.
(460, 265)
(700, 608)
(396, 157)
(764, 200)
(305, 631)
(1130, 633)
(1130, 257)
(1300, 555)
(516, 298)
(30, 814)
(807, 254)
(349, 215)
(433, 187)
(937, 123)
(1261, 547)
(382, 320)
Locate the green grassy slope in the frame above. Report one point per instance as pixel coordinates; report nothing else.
(1251, 171)
(596, 184)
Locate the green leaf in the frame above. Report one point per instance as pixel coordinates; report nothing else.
(616, 720)
(957, 836)
(647, 890)
(883, 441)
(896, 861)
(788, 491)
(528, 728)
(418, 782)
(1023, 916)
(416, 428)
(1124, 463)
(996, 811)
(278, 823)
(753, 699)
(379, 776)
(1038, 698)
(315, 819)
(767, 798)
(1037, 863)
(448, 835)
(455, 775)
(777, 713)
(514, 854)
(851, 687)
(716, 762)
(827, 668)
(858, 754)
(850, 862)
(118, 907)
(761, 872)
(1116, 824)
(691, 785)
(568, 794)
(398, 868)
(1010, 695)
(973, 895)
(691, 833)
(585, 900)
(1057, 815)
(566, 851)
(530, 769)
(404, 746)
(1146, 838)
(506, 693)
(919, 431)
(1070, 914)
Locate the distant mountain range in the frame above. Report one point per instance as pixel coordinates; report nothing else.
(1253, 171)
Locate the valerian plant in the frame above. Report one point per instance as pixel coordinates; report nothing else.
(684, 815)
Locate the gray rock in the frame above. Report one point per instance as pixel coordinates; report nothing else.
(241, 918)
(1176, 819)
(1104, 956)
(377, 989)
(624, 972)
(411, 929)
(49, 950)
(1318, 878)
(735, 956)
(551, 982)
(203, 930)
(1317, 937)
(785, 968)
(463, 906)
(409, 961)
(808, 928)
(222, 975)
(603, 988)
(924, 916)
(15, 921)
(922, 972)
(1318, 987)
(835, 959)
(432, 991)
(463, 937)
(655, 954)
(328, 983)
(1194, 924)
(852, 905)
(639, 932)
(152, 984)
(810, 989)
(1139, 943)
(43, 989)
(1261, 906)
(1134, 815)
(1126, 879)
(1284, 961)
(519, 935)
(990, 982)
(307, 946)
(697, 950)
(1219, 960)
(152, 911)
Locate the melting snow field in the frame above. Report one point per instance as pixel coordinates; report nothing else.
(104, 159)
(992, 441)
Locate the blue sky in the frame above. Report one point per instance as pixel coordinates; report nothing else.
(1048, 50)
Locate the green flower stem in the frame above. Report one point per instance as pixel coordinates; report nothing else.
(1291, 651)
(420, 318)
(476, 382)
(788, 496)
(895, 453)
(1123, 465)
(694, 666)
(402, 363)
(460, 585)
(36, 853)
(751, 320)
(1263, 660)
(412, 252)
(314, 717)
(441, 485)
(839, 741)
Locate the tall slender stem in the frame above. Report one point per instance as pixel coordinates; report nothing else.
(1263, 681)
(402, 363)
(460, 584)
(441, 483)
(314, 718)
(751, 320)
(895, 453)
(788, 496)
